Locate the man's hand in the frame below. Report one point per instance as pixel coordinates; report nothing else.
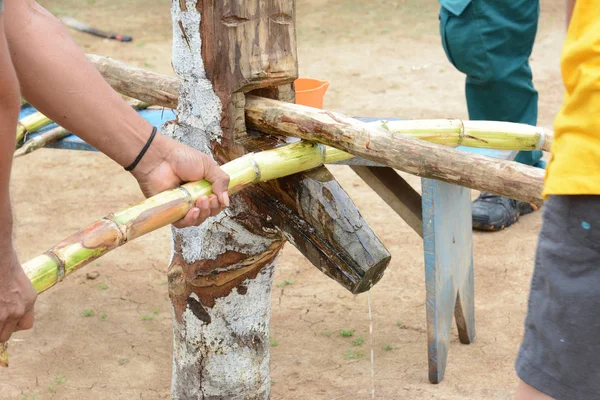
(179, 164)
(17, 297)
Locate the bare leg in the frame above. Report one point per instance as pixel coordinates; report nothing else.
(526, 392)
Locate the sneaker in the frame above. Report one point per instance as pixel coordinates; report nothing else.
(494, 213)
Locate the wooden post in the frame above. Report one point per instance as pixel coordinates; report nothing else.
(220, 276)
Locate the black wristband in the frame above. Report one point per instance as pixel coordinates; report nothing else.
(139, 157)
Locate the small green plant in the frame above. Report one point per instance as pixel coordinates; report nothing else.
(274, 343)
(88, 313)
(358, 341)
(103, 286)
(52, 389)
(103, 316)
(353, 355)
(147, 318)
(387, 347)
(123, 361)
(399, 324)
(155, 311)
(346, 332)
(60, 379)
(162, 283)
(326, 333)
(286, 283)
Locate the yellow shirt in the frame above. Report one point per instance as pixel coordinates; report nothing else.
(574, 166)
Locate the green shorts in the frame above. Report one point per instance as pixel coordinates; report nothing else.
(491, 41)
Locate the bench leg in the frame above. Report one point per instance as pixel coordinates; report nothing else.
(448, 245)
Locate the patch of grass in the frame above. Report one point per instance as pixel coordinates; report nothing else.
(399, 324)
(274, 343)
(353, 355)
(103, 316)
(103, 286)
(52, 389)
(88, 313)
(147, 318)
(286, 283)
(387, 347)
(155, 311)
(148, 65)
(358, 341)
(326, 333)
(346, 332)
(60, 379)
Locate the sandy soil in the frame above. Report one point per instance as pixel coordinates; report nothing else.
(110, 337)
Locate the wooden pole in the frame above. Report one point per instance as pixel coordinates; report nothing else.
(221, 273)
(506, 178)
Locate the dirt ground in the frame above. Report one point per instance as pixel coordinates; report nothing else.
(110, 337)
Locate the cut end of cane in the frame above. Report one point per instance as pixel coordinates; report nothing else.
(4, 355)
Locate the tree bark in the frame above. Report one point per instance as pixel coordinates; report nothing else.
(506, 178)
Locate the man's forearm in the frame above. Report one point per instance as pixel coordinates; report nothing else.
(9, 112)
(57, 78)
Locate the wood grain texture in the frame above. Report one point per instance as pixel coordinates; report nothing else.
(150, 87)
(417, 157)
(448, 247)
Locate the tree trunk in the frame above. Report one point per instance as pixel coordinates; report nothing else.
(220, 276)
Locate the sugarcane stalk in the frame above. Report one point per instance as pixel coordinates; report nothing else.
(31, 123)
(163, 90)
(480, 134)
(118, 228)
(59, 133)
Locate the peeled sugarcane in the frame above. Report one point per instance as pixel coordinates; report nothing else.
(59, 133)
(31, 123)
(163, 209)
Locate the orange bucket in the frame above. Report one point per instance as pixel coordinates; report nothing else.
(310, 92)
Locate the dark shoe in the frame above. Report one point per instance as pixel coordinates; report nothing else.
(494, 213)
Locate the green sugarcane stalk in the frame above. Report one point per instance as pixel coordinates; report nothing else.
(165, 208)
(31, 123)
(59, 133)
(480, 134)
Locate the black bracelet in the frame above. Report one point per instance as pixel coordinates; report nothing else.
(139, 157)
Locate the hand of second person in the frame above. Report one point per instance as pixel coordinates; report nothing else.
(179, 164)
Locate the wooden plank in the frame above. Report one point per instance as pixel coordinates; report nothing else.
(396, 192)
(404, 153)
(448, 247)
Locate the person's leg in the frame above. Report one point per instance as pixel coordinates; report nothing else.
(526, 392)
(559, 352)
(491, 42)
(506, 93)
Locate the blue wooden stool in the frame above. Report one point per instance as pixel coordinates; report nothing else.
(441, 215)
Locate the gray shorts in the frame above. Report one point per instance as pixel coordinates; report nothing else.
(560, 352)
